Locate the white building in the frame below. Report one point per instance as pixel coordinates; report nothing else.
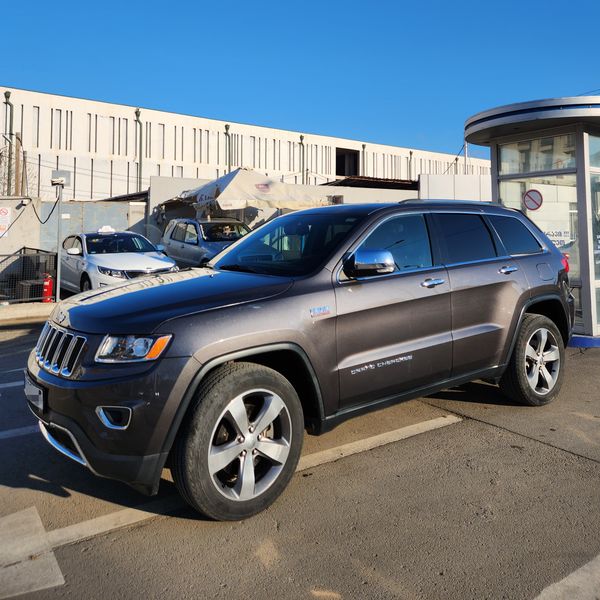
(105, 146)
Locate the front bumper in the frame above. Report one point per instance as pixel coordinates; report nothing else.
(69, 420)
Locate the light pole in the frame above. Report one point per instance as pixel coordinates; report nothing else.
(59, 180)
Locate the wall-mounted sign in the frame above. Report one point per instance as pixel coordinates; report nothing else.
(4, 221)
(532, 199)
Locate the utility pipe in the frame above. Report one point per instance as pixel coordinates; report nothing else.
(137, 120)
(10, 140)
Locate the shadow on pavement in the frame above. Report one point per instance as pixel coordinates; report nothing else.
(478, 392)
(30, 464)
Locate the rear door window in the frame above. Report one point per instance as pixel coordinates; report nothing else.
(464, 238)
(515, 236)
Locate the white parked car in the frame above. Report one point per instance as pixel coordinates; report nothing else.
(94, 260)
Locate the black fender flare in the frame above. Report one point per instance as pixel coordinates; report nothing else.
(219, 360)
(530, 302)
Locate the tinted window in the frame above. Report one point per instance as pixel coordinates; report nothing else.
(406, 238)
(466, 237)
(294, 244)
(516, 237)
(223, 232)
(117, 243)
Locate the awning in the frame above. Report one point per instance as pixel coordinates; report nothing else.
(244, 188)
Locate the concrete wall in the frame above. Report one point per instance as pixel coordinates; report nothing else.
(98, 143)
(82, 216)
(455, 187)
(26, 228)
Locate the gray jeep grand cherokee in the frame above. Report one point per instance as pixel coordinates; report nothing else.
(315, 317)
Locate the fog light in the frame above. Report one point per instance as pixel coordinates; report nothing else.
(114, 417)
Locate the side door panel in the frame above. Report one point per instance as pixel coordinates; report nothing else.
(393, 334)
(488, 289)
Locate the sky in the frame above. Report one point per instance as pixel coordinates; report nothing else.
(392, 72)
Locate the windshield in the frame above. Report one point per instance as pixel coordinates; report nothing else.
(116, 243)
(295, 244)
(223, 232)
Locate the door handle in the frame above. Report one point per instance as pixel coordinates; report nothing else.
(506, 270)
(429, 283)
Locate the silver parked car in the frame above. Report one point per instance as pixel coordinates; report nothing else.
(191, 243)
(94, 260)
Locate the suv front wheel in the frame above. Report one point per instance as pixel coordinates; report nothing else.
(241, 442)
(535, 372)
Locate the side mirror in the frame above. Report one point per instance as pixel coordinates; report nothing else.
(367, 263)
(160, 248)
(74, 251)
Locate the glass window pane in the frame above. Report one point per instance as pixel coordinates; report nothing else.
(406, 238)
(594, 151)
(557, 214)
(542, 154)
(467, 238)
(595, 192)
(517, 239)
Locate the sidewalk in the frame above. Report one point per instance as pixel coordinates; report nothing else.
(27, 311)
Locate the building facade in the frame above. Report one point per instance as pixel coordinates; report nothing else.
(113, 149)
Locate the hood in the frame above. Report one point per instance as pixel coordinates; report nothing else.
(140, 306)
(132, 261)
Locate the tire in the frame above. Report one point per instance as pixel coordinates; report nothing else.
(222, 464)
(86, 284)
(534, 374)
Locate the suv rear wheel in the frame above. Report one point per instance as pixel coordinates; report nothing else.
(535, 372)
(241, 443)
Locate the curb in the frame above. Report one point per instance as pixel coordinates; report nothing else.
(27, 311)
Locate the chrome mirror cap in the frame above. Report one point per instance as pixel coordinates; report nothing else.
(367, 263)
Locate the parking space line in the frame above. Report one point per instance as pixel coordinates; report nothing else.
(582, 584)
(116, 520)
(333, 454)
(27, 563)
(131, 516)
(19, 431)
(11, 384)
(22, 369)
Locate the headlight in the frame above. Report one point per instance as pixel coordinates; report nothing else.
(112, 272)
(131, 348)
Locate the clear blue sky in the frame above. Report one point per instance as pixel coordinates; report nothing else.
(402, 73)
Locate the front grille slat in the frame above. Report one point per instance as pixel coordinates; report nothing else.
(136, 274)
(58, 350)
(47, 341)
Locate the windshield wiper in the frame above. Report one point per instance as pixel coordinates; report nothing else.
(240, 268)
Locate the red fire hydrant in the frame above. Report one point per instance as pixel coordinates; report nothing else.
(48, 288)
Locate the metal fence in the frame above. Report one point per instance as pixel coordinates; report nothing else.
(22, 274)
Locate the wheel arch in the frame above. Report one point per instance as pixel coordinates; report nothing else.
(83, 277)
(552, 308)
(288, 359)
(549, 305)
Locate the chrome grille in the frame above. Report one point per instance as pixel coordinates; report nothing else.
(135, 274)
(58, 350)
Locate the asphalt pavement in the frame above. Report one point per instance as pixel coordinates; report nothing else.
(501, 502)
